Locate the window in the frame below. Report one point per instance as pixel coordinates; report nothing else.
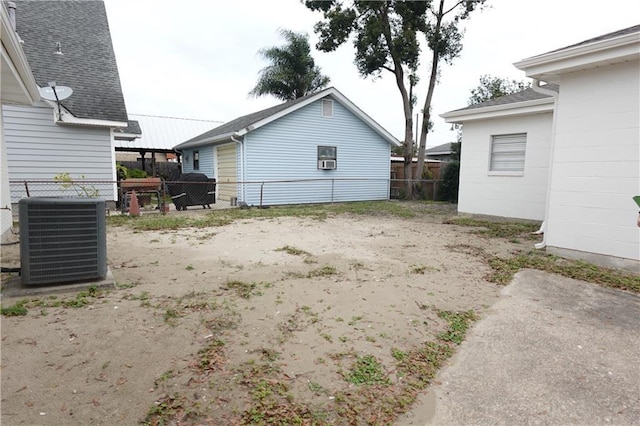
(327, 108)
(327, 157)
(507, 153)
(196, 160)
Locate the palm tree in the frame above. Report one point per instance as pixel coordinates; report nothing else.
(292, 73)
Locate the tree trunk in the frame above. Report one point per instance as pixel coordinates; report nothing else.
(426, 112)
(406, 105)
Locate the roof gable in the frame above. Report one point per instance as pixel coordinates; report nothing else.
(247, 123)
(87, 63)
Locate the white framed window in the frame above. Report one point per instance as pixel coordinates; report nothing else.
(327, 108)
(327, 157)
(507, 153)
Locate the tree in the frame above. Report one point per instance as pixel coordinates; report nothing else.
(386, 39)
(445, 41)
(292, 73)
(491, 87)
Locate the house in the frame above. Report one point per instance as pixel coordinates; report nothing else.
(315, 149)
(566, 152)
(440, 152)
(157, 136)
(67, 44)
(18, 87)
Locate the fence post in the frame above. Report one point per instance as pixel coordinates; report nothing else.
(261, 190)
(26, 188)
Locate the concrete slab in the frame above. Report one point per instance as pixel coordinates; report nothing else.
(552, 351)
(14, 288)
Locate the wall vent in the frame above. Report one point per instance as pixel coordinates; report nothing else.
(327, 164)
(62, 240)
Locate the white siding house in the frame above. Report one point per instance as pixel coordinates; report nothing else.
(320, 148)
(582, 161)
(75, 135)
(18, 87)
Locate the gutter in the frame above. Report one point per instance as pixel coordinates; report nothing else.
(537, 88)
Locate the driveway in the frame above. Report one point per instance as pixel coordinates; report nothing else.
(552, 350)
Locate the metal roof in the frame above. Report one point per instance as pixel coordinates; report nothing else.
(163, 133)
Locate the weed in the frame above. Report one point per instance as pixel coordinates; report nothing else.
(326, 337)
(17, 309)
(370, 339)
(126, 285)
(294, 251)
(367, 370)
(494, 229)
(171, 314)
(316, 388)
(211, 357)
(189, 267)
(243, 289)
(398, 354)
(338, 319)
(458, 325)
(343, 339)
(354, 320)
(322, 272)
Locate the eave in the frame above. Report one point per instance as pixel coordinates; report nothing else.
(537, 106)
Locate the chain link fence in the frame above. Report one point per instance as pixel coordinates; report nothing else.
(156, 193)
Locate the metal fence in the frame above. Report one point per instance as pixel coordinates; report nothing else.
(156, 192)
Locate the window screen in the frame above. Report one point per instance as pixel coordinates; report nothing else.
(508, 152)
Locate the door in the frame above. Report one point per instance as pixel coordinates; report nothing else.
(227, 173)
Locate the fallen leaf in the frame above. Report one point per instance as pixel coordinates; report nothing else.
(63, 408)
(95, 402)
(121, 381)
(29, 403)
(21, 389)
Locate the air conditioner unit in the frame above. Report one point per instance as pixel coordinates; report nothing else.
(62, 240)
(327, 164)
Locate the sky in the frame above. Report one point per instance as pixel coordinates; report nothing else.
(199, 58)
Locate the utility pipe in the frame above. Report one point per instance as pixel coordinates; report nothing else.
(540, 89)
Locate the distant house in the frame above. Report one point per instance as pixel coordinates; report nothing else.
(67, 43)
(157, 135)
(318, 148)
(440, 152)
(567, 152)
(18, 87)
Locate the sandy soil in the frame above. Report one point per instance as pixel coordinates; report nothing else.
(364, 285)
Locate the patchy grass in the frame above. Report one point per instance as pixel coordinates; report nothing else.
(495, 229)
(245, 290)
(367, 370)
(178, 220)
(458, 325)
(15, 310)
(504, 268)
(293, 251)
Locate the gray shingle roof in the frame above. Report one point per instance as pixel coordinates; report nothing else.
(618, 33)
(445, 148)
(88, 63)
(523, 96)
(133, 128)
(247, 120)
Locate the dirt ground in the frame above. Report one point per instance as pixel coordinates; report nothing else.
(199, 315)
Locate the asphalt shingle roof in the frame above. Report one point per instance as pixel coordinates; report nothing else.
(523, 96)
(445, 148)
(618, 33)
(247, 120)
(87, 64)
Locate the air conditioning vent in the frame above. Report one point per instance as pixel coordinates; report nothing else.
(327, 164)
(62, 240)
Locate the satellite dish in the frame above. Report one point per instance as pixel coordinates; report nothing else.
(62, 92)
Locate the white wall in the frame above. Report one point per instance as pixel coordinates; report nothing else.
(517, 196)
(596, 169)
(39, 149)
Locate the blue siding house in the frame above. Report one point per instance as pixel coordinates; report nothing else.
(316, 149)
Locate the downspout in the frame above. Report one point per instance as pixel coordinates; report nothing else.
(537, 88)
(240, 146)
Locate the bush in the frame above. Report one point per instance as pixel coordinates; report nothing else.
(449, 181)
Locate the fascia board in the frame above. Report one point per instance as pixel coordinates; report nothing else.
(536, 106)
(208, 141)
(11, 45)
(584, 56)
